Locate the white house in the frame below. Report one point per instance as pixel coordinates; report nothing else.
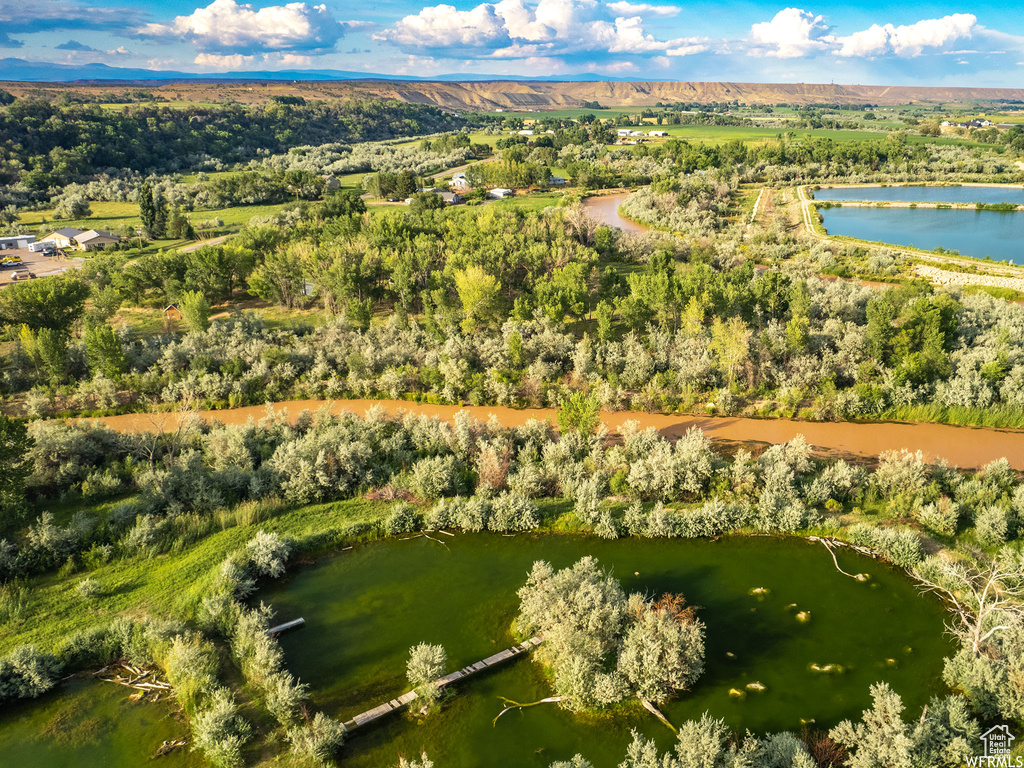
(623, 132)
(557, 181)
(63, 238)
(636, 133)
(451, 198)
(526, 132)
(459, 181)
(658, 133)
(500, 192)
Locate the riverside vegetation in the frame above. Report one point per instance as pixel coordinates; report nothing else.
(175, 495)
(165, 539)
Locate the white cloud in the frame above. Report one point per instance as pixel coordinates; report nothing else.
(119, 51)
(689, 47)
(511, 29)
(442, 26)
(792, 33)
(908, 40)
(225, 27)
(620, 66)
(623, 8)
(225, 61)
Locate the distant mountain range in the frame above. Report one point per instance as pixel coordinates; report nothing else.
(461, 92)
(20, 70)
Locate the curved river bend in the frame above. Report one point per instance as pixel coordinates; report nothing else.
(365, 608)
(605, 209)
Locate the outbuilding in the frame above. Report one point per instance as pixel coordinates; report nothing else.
(16, 241)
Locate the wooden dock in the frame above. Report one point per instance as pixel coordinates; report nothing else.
(406, 698)
(286, 626)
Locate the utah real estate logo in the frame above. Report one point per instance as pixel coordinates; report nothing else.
(997, 742)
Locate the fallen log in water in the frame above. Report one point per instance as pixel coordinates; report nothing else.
(510, 705)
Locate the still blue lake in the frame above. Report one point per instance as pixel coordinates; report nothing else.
(923, 194)
(972, 233)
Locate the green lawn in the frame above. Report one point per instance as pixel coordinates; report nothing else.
(166, 585)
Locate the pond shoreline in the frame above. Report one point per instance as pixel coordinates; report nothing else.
(764, 596)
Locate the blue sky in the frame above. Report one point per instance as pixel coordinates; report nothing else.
(931, 43)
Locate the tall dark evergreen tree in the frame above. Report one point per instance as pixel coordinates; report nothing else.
(15, 465)
(162, 214)
(147, 208)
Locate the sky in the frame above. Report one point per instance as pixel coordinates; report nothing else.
(926, 43)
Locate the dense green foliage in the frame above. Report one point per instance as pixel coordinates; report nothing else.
(47, 144)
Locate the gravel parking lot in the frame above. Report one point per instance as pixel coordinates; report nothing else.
(36, 263)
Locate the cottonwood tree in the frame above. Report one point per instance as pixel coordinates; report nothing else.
(50, 302)
(196, 310)
(580, 412)
(15, 466)
(480, 295)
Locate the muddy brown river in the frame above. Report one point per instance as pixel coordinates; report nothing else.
(605, 208)
(961, 446)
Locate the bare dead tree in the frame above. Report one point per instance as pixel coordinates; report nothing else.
(186, 420)
(985, 600)
(580, 224)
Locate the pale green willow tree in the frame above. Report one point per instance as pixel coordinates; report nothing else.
(943, 737)
(426, 664)
(603, 646)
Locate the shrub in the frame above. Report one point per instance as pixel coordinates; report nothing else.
(89, 588)
(511, 512)
(992, 525)
(901, 547)
(268, 554)
(26, 673)
(219, 731)
(403, 518)
(318, 740)
(434, 477)
(943, 516)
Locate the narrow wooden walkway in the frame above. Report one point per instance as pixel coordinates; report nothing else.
(395, 704)
(286, 626)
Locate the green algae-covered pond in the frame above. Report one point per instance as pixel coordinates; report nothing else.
(364, 608)
(90, 724)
